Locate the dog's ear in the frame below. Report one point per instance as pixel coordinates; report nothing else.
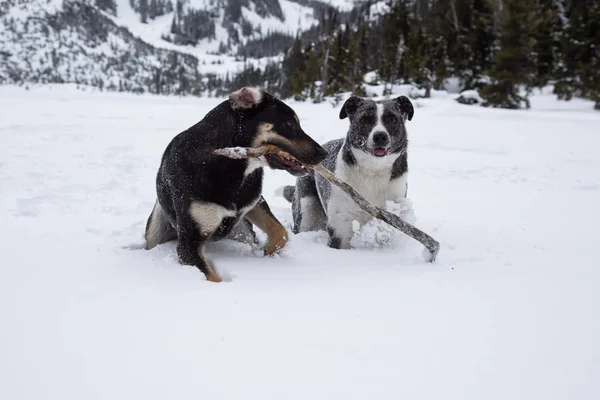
(350, 106)
(245, 98)
(405, 106)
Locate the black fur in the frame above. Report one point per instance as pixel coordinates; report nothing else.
(190, 173)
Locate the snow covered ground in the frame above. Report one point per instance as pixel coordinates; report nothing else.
(509, 311)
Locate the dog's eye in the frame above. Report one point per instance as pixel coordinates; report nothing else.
(291, 123)
(392, 119)
(368, 120)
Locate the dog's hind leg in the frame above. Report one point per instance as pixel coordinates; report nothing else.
(194, 228)
(158, 228)
(306, 207)
(263, 218)
(243, 232)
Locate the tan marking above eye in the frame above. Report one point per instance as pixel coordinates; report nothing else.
(296, 118)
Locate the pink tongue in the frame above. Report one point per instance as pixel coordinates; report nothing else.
(379, 151)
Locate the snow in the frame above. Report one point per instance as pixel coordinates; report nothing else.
(152, 32)
(471, 97)
(342, 5)
(297, 18)
(234, 152)
(453, 85)
(508, 311)
(35, 53)
(408, 90)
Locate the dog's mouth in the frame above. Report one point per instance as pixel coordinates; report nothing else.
(291, 166)
(379, 151)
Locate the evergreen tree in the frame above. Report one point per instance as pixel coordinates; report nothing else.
(327, 27)
(153, 10)
(394, 31)
(550, 35)
(355, 66)
(338, 65)
(107, 5)
(363, 47)
(143, 10)
(580, 73)
(479, 33)
(174, 25)
(513, 64)
(312, 69)
(440, 38)
(293, 67)
(417, 67)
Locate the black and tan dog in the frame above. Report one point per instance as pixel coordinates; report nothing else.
(203, 197)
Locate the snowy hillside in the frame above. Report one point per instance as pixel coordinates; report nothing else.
(51, 41)
(509, 310)
(216, 26)
(74, 41)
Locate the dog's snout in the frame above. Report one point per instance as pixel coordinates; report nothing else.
(380, 139)
(321, 153)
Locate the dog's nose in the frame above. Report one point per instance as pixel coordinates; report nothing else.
(321, 154)
(380, 139)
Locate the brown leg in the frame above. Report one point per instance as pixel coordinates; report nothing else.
(263, 218)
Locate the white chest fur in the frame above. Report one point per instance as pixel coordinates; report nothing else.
(370, 176)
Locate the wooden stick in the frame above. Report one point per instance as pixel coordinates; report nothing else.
(254, 152)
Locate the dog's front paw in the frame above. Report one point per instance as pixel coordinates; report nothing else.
(276, 242)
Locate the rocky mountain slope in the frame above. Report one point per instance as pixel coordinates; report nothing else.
(55, 41)
(157, 46)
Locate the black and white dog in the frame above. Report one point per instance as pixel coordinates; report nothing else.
(372, 159)
(202, 196)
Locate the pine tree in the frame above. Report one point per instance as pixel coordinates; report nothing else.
(513, 64)
(440, 40)
(107, 5)
(340, 67)
(327, 27)
(580, 73)
(174, 25)
(312, 69)
(293, 66)
(153, 11)
(394, 31)
(354, 63)
(549, 38)
(479, 34)
(417, 67)
(363, 45)
(143, 10)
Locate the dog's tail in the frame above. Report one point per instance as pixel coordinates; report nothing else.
(288, 192)
(158, 228)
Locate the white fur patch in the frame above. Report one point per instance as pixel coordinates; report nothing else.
(254, 164)
(371, 178)
(397, 188)
(246, 97)
(256, 94)
(379, 127)
(208, 216)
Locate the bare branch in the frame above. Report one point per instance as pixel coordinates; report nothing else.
(254, 152)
